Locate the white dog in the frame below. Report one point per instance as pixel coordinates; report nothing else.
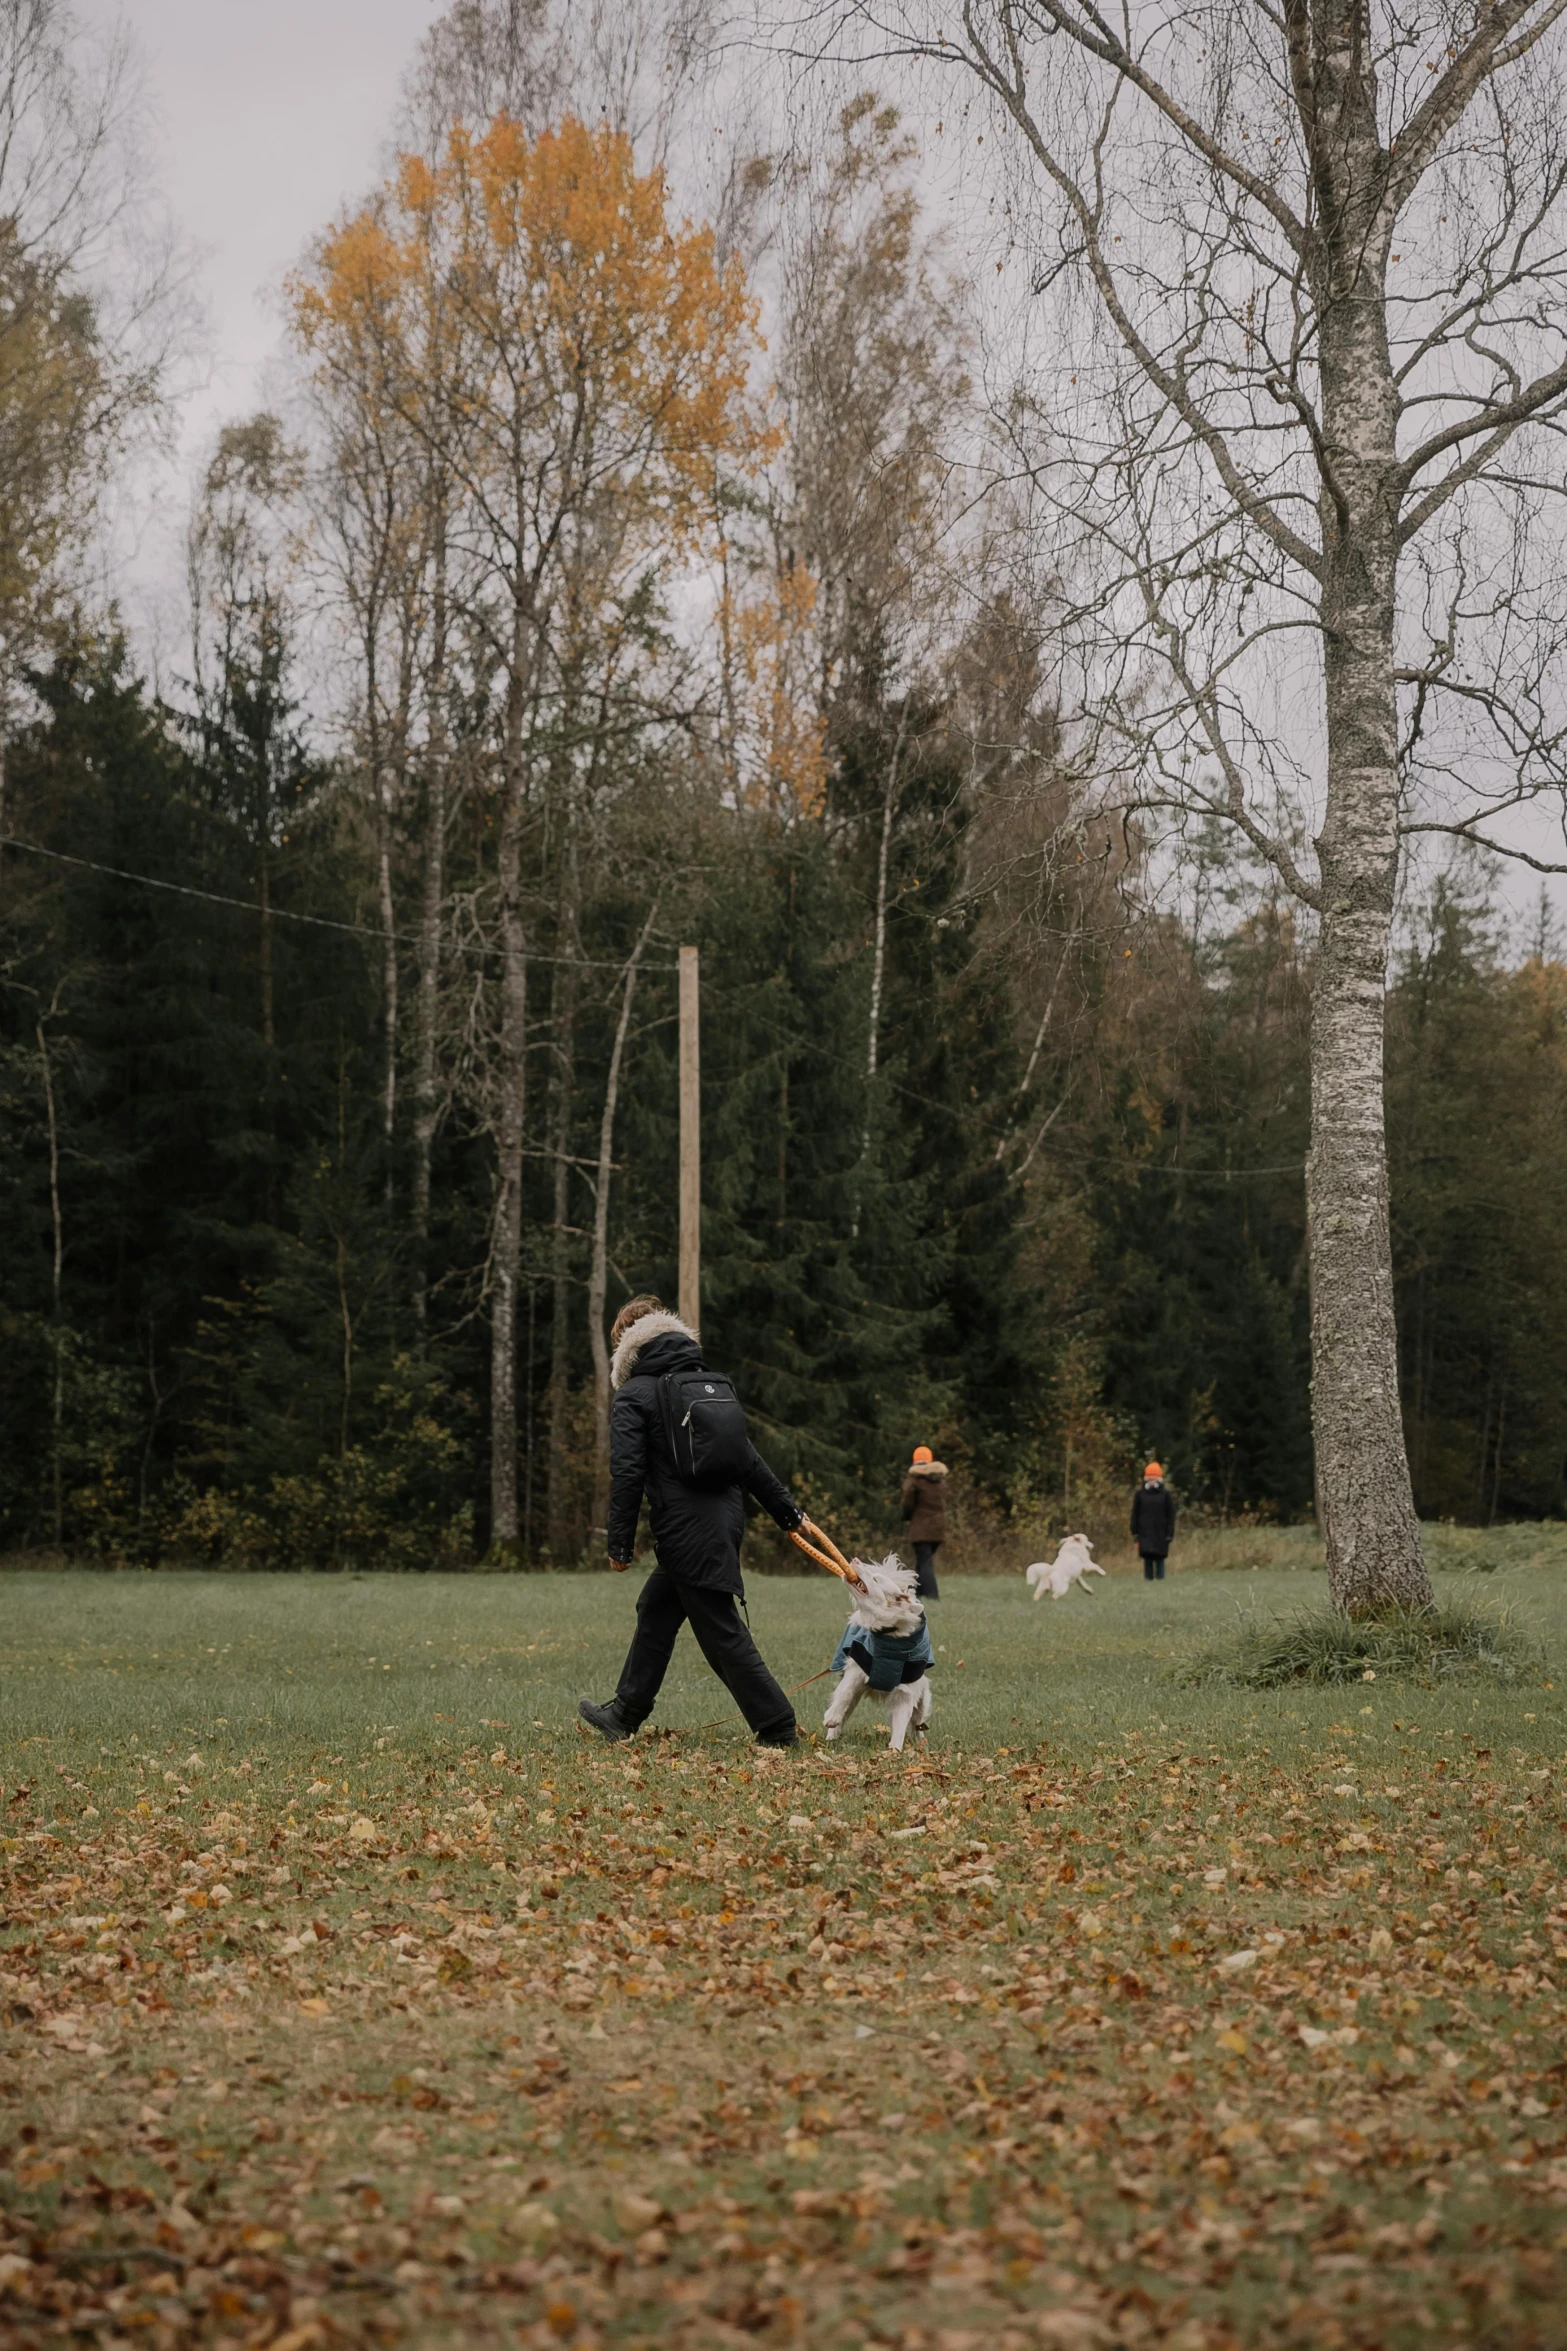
(885, 1649)
(1070, 1565)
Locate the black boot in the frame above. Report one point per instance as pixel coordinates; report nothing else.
(604, 1719)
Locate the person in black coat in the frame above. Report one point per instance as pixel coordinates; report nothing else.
(1153, 1522)
(696, 1536)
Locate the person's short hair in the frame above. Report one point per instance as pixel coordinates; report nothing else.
(631, 1312)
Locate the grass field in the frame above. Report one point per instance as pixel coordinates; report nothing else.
(351, 1995)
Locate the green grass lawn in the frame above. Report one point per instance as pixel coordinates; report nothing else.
(297, 1663)
(353, 1994)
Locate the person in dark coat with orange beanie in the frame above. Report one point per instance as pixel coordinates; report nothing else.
(1153, 1522)
(924, 1507)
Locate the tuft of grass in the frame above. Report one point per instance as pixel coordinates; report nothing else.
(1454, 1640)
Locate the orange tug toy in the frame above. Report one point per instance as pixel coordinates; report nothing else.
(829, 1556)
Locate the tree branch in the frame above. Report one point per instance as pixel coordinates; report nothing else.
(1257, 509)
(1498, 424)
(1488, 52)
(1203, 699)
(1466, 832)
(1100, 41)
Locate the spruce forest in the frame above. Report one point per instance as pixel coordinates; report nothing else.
(606, 583)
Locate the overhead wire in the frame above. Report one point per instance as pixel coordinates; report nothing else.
(319, 922)
(802, 1044)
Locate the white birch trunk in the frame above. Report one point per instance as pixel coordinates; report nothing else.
(389, 972)
(879, 958)
(431, 897)
(1362, 1464)
(510, 1118)
(889, 809)
(563, 1075)
(563, 1087)
(1363, 1484)
(424, 1086)
(57, 1401)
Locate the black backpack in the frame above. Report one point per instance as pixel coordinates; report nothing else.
(704, 1428)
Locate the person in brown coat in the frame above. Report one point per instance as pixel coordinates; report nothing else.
(924, 1506)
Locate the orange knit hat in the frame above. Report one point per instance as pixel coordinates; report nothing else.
(1153, 1470)
(923, 1453)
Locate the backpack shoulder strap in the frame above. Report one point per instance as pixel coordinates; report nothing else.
(667, 1415)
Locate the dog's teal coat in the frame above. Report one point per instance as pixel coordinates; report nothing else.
(888, 1658)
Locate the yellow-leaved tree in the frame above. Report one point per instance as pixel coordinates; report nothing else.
(575, 367)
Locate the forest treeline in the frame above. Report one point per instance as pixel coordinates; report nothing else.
(253, 1356)
(556, 625)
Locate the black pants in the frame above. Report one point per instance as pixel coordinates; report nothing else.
(725, 1641)
(925, 1570)
(1153, 1567)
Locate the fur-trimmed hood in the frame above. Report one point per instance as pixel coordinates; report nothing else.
(641, 1334)
(927, 1469)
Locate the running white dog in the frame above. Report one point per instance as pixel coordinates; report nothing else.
(885, 1649)
(1070, 1565)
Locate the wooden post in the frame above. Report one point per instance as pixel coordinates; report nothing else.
(690, 1140)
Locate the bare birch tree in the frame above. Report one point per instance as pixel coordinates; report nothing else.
(368, 515)
(381, 353)
(596, 378)
(1308, 289)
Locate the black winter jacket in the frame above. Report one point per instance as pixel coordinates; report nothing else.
(1153, 1519)
(696, 1531)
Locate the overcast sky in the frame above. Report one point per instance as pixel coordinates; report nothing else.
(272, 112)
(269, 114)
